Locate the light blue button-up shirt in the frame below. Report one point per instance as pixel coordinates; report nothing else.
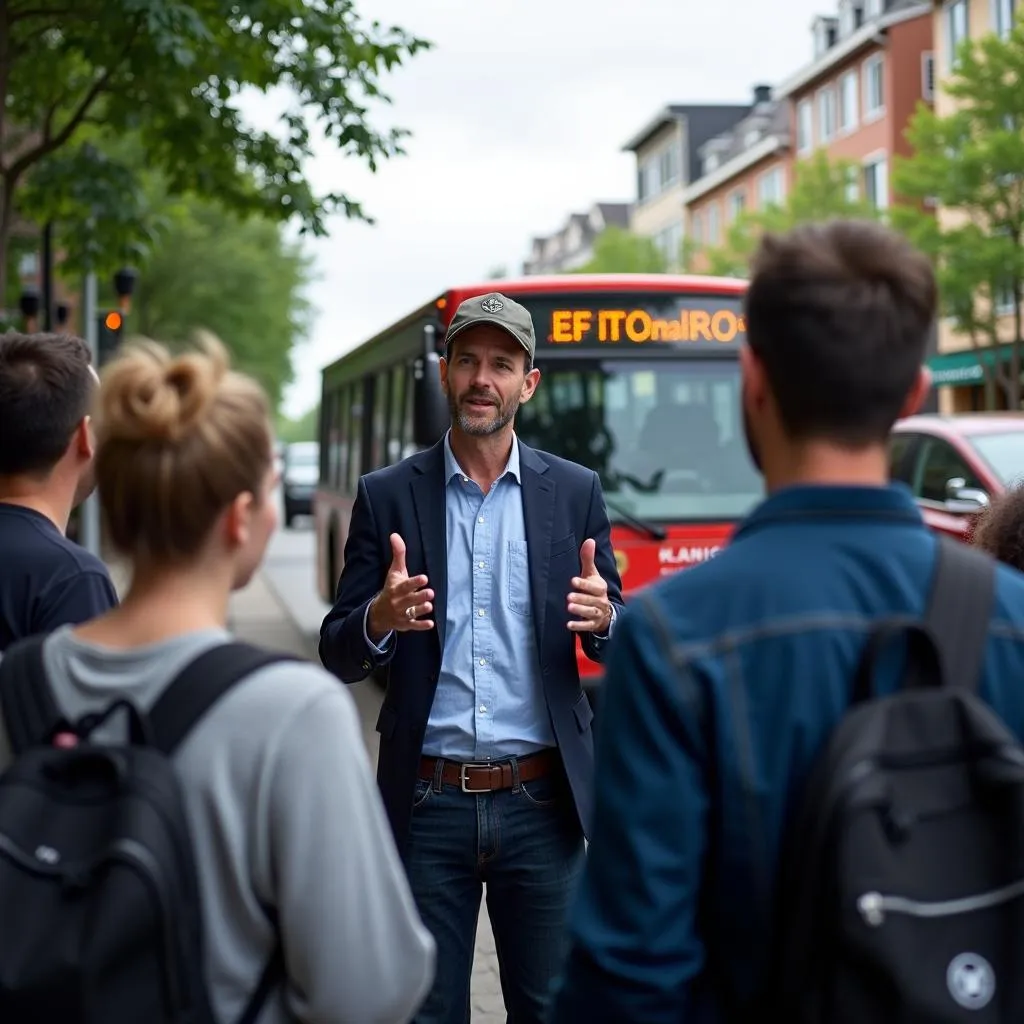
(489, 702)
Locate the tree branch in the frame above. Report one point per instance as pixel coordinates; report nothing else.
(53, 142)
(13, 17)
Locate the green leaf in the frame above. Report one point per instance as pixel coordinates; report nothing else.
(170, 72)
(819, 192)
(971, 163)
(617, 251)
(235, 277)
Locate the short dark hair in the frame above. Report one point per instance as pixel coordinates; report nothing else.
(839, 314)
(46, 387)
(1000, 528)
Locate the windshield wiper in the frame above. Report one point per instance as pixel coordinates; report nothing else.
(640, 525)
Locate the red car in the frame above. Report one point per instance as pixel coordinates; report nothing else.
(955, 464)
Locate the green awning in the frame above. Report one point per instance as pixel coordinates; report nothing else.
(965, 367)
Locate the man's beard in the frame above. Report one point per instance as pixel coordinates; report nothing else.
(477, 426)
(752, 445)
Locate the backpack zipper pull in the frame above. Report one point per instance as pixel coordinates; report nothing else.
(871, 909)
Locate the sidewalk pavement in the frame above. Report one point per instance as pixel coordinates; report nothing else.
(255, 614)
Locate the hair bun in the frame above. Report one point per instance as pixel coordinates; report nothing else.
(150, 395)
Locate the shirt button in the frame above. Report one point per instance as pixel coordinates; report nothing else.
(483, 709)
(483, 661)
(481, 613)
(481, 519)
(481, 564)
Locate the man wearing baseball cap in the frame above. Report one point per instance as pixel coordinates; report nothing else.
(470, 570)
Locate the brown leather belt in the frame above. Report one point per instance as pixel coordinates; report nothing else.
(484, 777)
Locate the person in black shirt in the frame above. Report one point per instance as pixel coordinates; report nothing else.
(46, 453)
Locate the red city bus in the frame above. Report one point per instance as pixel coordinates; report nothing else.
(640, 381)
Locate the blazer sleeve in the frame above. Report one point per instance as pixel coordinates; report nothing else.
(345, 648)
(600, 528)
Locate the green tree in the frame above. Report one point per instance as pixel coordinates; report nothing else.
(618, 251)
(970, 162)
(170, 71)
(236, 277)
(820, 191)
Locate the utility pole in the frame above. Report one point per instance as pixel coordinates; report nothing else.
(90, 507)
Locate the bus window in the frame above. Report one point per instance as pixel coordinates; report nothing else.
(407, 420)
(378, 439)
(339, 438)
(666, 440)
(396, 415)
(327, 426)
(355, 435)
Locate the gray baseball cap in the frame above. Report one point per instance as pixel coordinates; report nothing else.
(499, 311)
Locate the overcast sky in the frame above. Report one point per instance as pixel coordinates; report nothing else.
(518, 117)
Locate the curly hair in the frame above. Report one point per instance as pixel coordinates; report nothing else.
(1000, 528)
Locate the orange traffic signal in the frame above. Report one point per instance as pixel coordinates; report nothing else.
(113, 321)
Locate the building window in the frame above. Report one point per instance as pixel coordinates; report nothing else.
(956, 29)
(697, 228)
(769, 188)
(668, 166)
(848, 102)
(827, 113)
(876, 183)
(734, 205)
(804, 126)
(670, 242)
(1003, 13)
(714, 226)
(874, 87)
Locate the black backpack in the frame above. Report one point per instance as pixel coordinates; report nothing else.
(99, 904)
(902, 880)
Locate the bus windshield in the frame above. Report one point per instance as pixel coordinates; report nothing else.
(665, 437)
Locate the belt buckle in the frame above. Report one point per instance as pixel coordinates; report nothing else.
(463, 783)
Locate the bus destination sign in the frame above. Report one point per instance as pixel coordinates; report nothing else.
(589, 327)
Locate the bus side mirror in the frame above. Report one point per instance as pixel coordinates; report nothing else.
(430, 417)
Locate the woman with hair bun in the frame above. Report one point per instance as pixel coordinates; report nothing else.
(281, 802)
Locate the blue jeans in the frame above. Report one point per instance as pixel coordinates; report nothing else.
(526, 845)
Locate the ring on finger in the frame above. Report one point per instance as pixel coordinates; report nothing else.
(410, 612)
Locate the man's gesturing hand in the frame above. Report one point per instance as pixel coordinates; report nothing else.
(404, 598)
(589, 598)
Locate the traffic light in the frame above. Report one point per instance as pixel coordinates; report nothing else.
(109, 335)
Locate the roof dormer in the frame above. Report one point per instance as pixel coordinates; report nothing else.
(851, 16)
(826, 33)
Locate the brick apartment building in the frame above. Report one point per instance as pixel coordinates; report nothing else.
(956, 371)
(744, 168)
(872, 64)
(667, 151)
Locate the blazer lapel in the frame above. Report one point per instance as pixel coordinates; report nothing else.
(429, 498)
(538, 515)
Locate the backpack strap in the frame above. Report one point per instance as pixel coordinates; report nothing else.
(200, 684)
(960, 610)
(30, 712)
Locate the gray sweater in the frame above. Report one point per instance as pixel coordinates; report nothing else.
(285, 813)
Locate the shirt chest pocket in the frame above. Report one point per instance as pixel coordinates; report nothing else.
(517, 571)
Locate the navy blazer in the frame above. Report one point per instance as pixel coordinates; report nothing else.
(562, 507)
